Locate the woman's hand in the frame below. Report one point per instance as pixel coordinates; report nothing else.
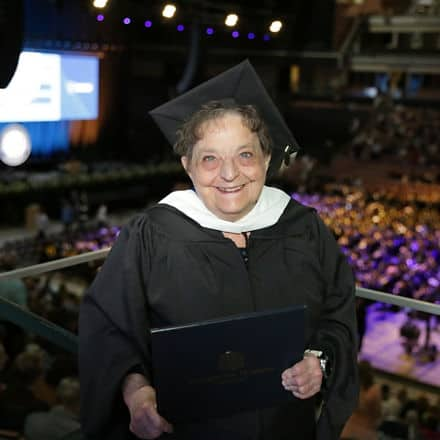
(140, 398)
(304, 379)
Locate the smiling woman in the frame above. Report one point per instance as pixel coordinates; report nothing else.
(227, 247)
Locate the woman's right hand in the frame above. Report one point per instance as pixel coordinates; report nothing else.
(140, 398)
(145, 421)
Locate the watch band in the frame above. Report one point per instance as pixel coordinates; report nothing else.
(323, 361)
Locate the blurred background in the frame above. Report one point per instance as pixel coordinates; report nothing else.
(358, 82)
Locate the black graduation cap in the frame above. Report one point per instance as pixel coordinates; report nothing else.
(242, 84)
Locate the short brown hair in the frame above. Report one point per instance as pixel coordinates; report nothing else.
(190, 132)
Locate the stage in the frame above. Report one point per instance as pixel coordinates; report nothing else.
(383, 347)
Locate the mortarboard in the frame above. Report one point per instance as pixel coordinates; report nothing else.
(242, 84)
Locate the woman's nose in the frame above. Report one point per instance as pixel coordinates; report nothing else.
(229, 169)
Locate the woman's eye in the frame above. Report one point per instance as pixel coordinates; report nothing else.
(246, 155)
(208, 158)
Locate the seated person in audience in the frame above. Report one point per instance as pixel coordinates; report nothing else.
(40, 388)
(14, 289)
(391, 406)
(430, 423)
(101, 216)
(17, 399)
(61, 420)
(42, 223)
(3, 364)
(391, 425)
(362, 425)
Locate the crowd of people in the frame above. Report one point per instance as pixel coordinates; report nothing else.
(392, 247)
(388, 411)
(49, 245)
(39, 390)
(407, 134)
(39, 384)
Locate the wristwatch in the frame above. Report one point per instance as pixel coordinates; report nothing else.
(324, 361)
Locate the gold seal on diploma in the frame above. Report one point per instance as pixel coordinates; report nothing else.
(231, 361)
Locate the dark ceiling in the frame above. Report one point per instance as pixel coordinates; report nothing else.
(306, 23)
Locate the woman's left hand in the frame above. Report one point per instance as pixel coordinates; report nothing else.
(304, 379)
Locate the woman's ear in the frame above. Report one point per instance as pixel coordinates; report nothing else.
(267, 161)
(185, 163)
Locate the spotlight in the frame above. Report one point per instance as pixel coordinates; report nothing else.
(231, 20)
(209, 31)
(275, 26)
(251, 36)
(148, 23)
(180, 27)
(266, 37)
(100, 17)
(126, 20)
(168, 11)
(15, 145)
(235, 34)
(99, 4)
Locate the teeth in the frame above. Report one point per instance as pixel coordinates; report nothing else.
(231, 189)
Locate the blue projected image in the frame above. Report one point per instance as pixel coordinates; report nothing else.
(51, 87)
(47, 91)
(79, 91)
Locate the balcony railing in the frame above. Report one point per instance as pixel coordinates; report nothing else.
(69, 341)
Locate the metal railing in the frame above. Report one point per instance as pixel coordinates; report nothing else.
(69, 341)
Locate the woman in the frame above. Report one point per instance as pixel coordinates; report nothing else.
(230, 246)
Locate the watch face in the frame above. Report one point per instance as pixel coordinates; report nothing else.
(323, 361)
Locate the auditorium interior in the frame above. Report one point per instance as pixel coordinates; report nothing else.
(358, 83)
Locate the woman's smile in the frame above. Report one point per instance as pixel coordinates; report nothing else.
(230, 190)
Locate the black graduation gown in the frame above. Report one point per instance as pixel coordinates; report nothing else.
(165, 269)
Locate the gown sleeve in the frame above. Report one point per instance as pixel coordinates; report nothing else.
(336, 335)
(114, 332)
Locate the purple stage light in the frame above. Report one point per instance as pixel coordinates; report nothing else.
(266, 37)
(100, 17)
(148, 23)
(180, 27)
(414, 246)
(434, 282)
(126, 20)
(410, 263)
(235, 34)
(251, 35)
(209, 31)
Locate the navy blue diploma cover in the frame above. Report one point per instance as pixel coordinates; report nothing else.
(223, 366)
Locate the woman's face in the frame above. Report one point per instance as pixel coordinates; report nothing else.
(228, 167)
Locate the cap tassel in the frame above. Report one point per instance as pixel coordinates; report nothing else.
(290, 153)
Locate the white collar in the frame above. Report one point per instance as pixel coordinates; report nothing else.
(265, 213)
